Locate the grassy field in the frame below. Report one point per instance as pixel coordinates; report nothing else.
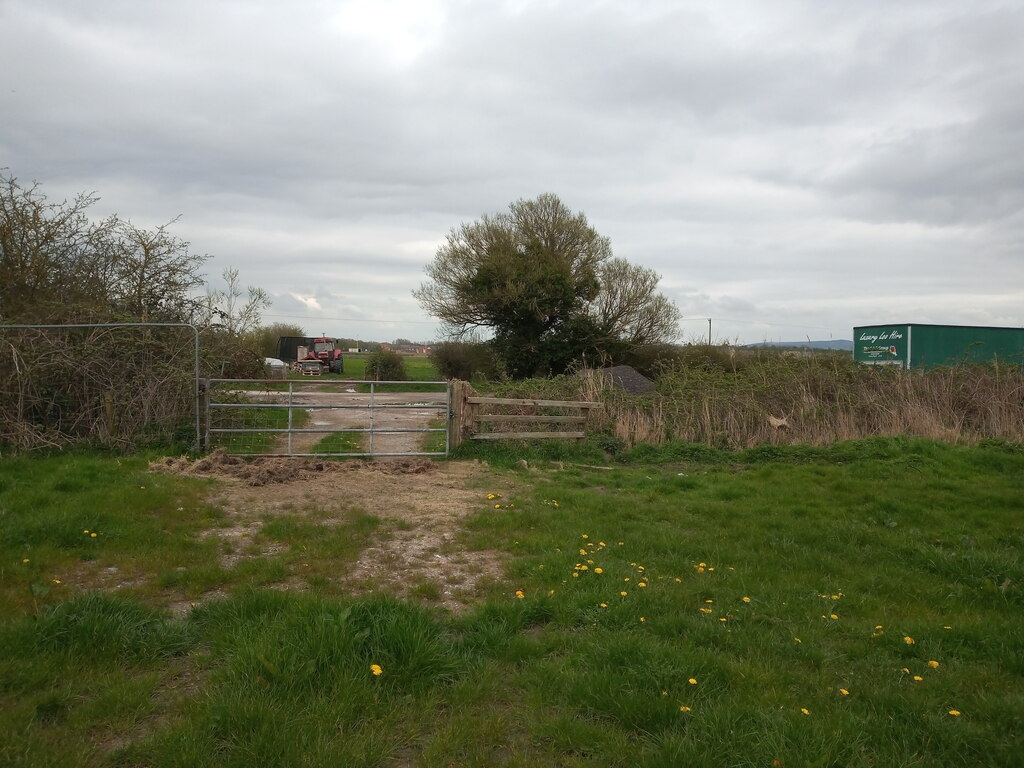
(416, 368)
(854, 605)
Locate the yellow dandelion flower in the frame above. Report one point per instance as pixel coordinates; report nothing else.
(376, 670)
(701, 565)
(710, 568)
(833, 616)
(955, 712)
(642, 619)
(685, 708)
(844, 692)
(604, 605)
(804, 711)
(520, 594)
(599, 570)
(905, 671)
(933, 664)
(497, 506)
(85, 531)
(692, 681)
(918, 678)
(623, 593)
(93, 535)
(705, 610)
(797, 639)
(678, 580)
(908, 640)
(600, 543)
(575, 574)
(56, 581)
(621, 543)
(948, 627)
(709, 601)
(586, 536)
(627, 579)
(551, 592)
(583, 551)
(700, 569)
(492, 495)
(24, 559)
(722, 618)
(746, 599)
(641, 584)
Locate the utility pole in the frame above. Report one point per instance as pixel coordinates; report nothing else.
(709, 331)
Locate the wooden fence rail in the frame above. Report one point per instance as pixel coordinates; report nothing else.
(467, 420)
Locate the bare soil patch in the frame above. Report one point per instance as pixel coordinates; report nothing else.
(270, 470)
(421, 505)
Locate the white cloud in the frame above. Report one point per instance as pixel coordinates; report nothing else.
(309, 302)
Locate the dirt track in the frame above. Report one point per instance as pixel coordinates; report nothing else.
(357, 410)
(421, 506)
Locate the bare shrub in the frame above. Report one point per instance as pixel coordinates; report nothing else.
(114, 386)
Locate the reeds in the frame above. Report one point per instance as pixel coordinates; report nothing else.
(815, 400)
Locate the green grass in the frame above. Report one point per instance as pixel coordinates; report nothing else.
(416, 368)
(340, 442)
(253, 418)
(70, 519)
(775, 580)
(435, 442)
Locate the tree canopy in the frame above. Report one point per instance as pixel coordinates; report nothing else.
(544, 282)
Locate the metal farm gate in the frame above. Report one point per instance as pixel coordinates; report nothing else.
(273, 417)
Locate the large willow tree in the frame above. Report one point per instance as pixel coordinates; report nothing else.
(545, 285)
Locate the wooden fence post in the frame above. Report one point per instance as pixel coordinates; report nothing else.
(462, 413)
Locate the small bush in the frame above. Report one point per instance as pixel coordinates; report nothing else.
(386, 365)
(465, 360)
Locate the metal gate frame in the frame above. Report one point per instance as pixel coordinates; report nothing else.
(292, 406)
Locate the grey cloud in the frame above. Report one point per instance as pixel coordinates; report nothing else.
(761, 157)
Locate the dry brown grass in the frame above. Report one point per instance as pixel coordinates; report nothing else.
(817, 401)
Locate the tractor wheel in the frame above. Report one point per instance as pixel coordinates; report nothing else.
(337, 367)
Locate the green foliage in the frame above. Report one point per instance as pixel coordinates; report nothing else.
(385, 365)
(544, 282)
(465, 360)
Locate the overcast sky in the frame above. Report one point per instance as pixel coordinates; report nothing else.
(791, 169)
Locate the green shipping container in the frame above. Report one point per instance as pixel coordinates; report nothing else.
(911, 345)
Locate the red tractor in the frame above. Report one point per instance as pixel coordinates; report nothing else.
(326, 351)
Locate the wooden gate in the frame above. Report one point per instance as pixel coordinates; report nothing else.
(474, 417)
